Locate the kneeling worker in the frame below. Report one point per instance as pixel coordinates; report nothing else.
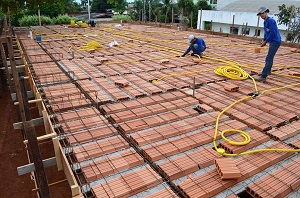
(197, 45)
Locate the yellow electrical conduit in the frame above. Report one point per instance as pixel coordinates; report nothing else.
(244, 134)
(93, 45)
(235, 72)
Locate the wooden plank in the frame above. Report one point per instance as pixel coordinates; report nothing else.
(43, 137)
(46, 123)
(22, 170)
(33, 144)
(69, 174)
(35, 122)
(29, 95)
(31, 101)
(4, 62)
(57, 153)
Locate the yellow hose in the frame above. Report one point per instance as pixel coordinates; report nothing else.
(93, 45)
(237, 73)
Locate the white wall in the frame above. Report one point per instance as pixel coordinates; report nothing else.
(223, 3)
(224, 20)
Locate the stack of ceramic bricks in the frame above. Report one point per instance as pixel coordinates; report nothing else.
(227, 169)
(231, 87)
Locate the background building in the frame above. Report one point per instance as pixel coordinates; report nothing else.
(239, 16)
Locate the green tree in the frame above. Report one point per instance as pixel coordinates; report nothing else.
(290, 17)
(186, 6)
(166, 6)
(201, 4)
(137, 9)
(100, 6)
(155, 8)
(118, 5)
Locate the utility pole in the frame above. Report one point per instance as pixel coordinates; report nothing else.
(89, 10)
(144, 9)
(149, 10)
(39, 14)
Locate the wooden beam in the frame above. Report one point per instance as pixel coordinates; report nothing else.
(43, 137)
(33, 145)
(57, 153)
(35, 122)
(31, 101)
(29, 95)
(22, 170)
(5, 63)
(69, 174)
(15, 77)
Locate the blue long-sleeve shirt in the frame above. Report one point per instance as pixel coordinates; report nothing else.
(271, 31)
(201, 46)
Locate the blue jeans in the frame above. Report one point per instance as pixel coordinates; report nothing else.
(194, 48)
(269, 59)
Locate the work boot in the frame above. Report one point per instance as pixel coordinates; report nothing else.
(260, 79)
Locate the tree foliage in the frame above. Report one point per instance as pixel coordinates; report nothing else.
(290, 18)
(119, 6)
(100, 6)
(53, 8)
(186, 5)
(136, 12)
(202, 4)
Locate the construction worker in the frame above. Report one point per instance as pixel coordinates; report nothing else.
(92, 23)
(272, 36)
(197, 45)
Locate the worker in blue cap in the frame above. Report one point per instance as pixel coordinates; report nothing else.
(197, 45)
(272, 36)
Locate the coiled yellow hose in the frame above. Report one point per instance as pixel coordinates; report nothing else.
(93, 45)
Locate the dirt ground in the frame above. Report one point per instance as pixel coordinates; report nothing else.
(13, 154)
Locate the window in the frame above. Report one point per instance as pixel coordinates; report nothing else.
(207, 25)
(258, 33)
(290, 37)
(246, 31)
(234, 30)
(213, 1)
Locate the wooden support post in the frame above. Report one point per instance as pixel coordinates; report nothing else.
(256, 32)
(194, 86)
(33, 145)
(46, 121)
(232, 28)
(57, 154)
(172, 14)
(191, 19)
(246, 28)
(5, 64)
(16, 77)
(39, 105)
(200, 23)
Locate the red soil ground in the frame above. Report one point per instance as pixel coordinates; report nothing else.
(13, 154)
